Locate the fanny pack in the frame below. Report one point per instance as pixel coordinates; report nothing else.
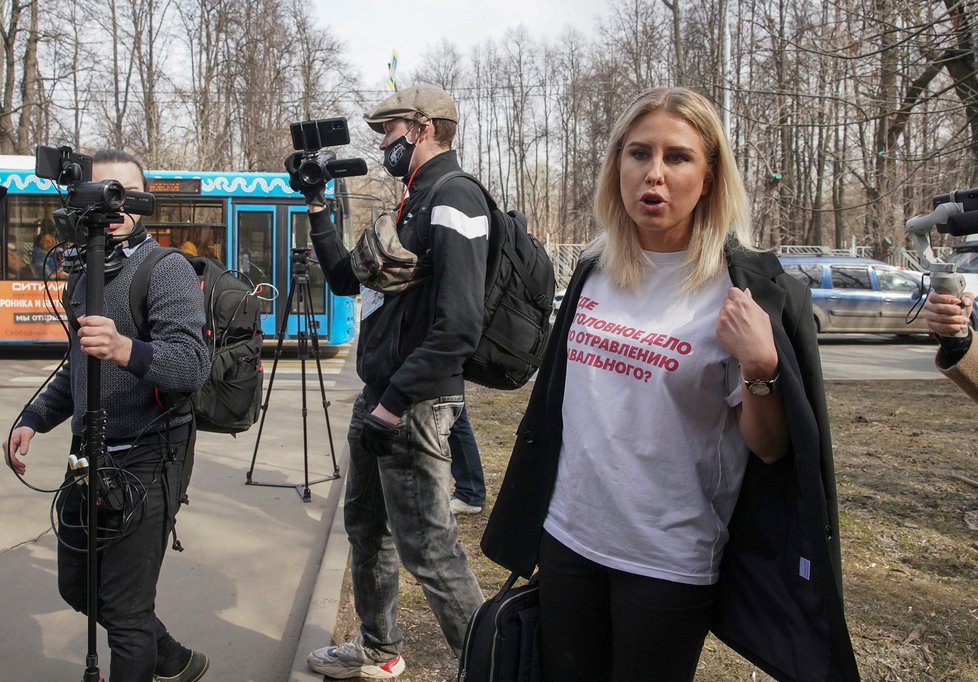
(382, 263)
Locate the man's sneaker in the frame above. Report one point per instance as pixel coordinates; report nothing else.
(349, 660)
(193, 671)
(460, 507)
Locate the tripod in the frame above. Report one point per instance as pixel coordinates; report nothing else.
(306, 325)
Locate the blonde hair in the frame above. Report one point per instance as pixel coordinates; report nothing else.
(723, 212)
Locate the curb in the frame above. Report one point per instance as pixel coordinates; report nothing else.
(320, 622)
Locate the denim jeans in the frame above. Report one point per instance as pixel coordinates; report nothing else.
(128, 567)
(470, 482)
(397, 507)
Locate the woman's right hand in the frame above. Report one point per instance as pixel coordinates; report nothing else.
(20, 440)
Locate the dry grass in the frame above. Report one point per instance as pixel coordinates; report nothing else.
(909, 535)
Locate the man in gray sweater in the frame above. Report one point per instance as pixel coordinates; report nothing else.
(149, 450)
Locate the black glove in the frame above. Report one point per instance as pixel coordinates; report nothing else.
(377, 436)
(314, 194)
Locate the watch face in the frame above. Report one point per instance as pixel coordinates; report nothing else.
(759, 387)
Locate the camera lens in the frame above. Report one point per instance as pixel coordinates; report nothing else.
(311, 173)
(114, 195)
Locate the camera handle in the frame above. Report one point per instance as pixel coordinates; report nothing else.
(944, 278)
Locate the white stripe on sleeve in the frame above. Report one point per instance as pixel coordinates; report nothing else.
(452, 218)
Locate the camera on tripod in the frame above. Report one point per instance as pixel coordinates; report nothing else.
(87, 201)
(313, 166)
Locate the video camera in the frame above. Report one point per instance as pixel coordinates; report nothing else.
(87, 202)
(312, 166)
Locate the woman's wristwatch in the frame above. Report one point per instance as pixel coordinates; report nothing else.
(761, 386)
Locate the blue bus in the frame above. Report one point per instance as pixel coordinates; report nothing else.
(250, 222)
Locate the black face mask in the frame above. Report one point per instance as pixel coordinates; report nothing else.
(397, 157)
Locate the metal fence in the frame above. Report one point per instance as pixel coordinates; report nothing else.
(564, 257)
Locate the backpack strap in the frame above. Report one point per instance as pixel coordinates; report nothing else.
(140, 288)
(457, 174)
(507, 247)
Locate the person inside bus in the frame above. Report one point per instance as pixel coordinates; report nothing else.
(189, 249)
(949, 316)
(409, 355)
(46, 261)
(17, 267)
(149, 451)
(673, 465)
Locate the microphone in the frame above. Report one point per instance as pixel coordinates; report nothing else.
(3, 191)
(342, 168)
(961, 224)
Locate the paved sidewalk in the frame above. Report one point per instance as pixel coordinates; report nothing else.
(258, 585)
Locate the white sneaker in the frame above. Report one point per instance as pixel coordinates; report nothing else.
(349, 660)
(460, 507)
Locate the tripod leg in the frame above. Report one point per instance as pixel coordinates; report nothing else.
(304, 326)
(322, 392)
(271, 379)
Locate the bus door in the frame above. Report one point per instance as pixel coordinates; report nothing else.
(254, 250)
(321, 305)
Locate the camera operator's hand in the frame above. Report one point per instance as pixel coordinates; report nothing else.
(377, 436)
(20, 441)
(946, 314)
(99, 338)
(315, 196)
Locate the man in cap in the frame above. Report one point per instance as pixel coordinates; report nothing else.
(410, 353)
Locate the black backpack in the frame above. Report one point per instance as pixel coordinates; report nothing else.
(230, 399)
(519, 299)
(502, 641)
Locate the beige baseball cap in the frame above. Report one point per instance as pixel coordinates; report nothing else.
(419, 102)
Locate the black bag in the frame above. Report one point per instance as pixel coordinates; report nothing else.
(502, 642)
(519, 299)
(230, 399)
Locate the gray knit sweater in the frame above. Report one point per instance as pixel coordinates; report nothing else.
(174, 359)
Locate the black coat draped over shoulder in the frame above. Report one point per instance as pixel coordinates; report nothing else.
(780, 587)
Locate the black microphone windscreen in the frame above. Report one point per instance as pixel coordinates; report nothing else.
(962, 224)
(343, 168)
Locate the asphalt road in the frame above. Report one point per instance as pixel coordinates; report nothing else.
(877, 356)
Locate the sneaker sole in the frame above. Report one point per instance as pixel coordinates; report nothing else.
(338, 671)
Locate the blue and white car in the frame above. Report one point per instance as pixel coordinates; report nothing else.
(860, 295)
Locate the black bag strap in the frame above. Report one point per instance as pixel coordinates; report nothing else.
(457, 174)
(140, 288)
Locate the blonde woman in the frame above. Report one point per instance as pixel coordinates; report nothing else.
(673, 471)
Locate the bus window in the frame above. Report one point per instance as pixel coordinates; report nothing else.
(197, 227)
(29, 236)
(317, 282)
(255, 248)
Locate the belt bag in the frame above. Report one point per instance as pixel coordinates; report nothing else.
(382, 263)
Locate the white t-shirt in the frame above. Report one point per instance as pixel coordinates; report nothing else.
(652, 458)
